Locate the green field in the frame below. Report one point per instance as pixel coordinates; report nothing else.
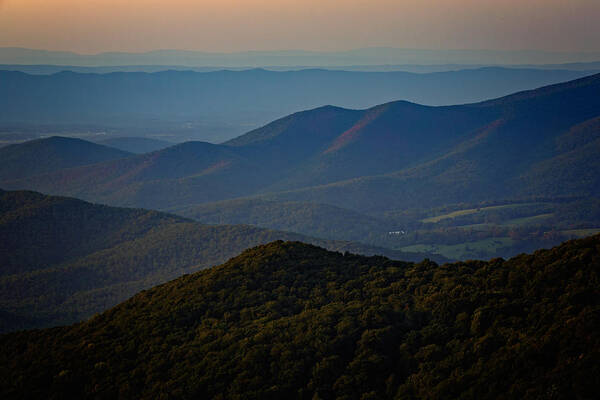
(476, 227)
(580, 233)
(460, 213)
(534, 219)
(462, 250)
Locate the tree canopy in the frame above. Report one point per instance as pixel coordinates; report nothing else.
(291, 320)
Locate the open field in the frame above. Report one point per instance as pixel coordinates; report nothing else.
(476, 227)
(462, 250)
(460, 213)
(534, 219)
(580, 233)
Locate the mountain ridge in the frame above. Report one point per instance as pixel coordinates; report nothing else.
(288, 319)
(493, 141)
(218, 105)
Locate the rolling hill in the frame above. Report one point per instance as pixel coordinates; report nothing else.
(290, 320)
(63, 259)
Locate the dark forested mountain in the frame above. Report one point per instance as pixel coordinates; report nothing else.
(289, 320)
(52, 154)
(62, 259)
(218, 105)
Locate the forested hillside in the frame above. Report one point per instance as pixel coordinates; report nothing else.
(320, 220)
(290, 320)
(62, 259)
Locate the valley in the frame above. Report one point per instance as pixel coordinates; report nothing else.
(490, 179)
(63, 260)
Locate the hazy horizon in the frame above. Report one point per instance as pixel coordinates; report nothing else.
(299, 51)
(371, 56)
(265, 25)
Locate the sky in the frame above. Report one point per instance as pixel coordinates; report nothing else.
(93, 26)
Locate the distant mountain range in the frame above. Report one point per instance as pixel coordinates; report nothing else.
(215, 106)
(511, 174)
(415, 68)
(62, 259)
(392, 156)
(291, 320)
(366, 56)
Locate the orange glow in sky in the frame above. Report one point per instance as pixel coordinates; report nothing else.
(91, 26)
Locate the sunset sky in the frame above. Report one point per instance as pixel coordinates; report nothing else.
(90, 26)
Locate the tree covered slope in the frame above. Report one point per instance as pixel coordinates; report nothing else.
(62, 259)
(320, 220)
(290, 320)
